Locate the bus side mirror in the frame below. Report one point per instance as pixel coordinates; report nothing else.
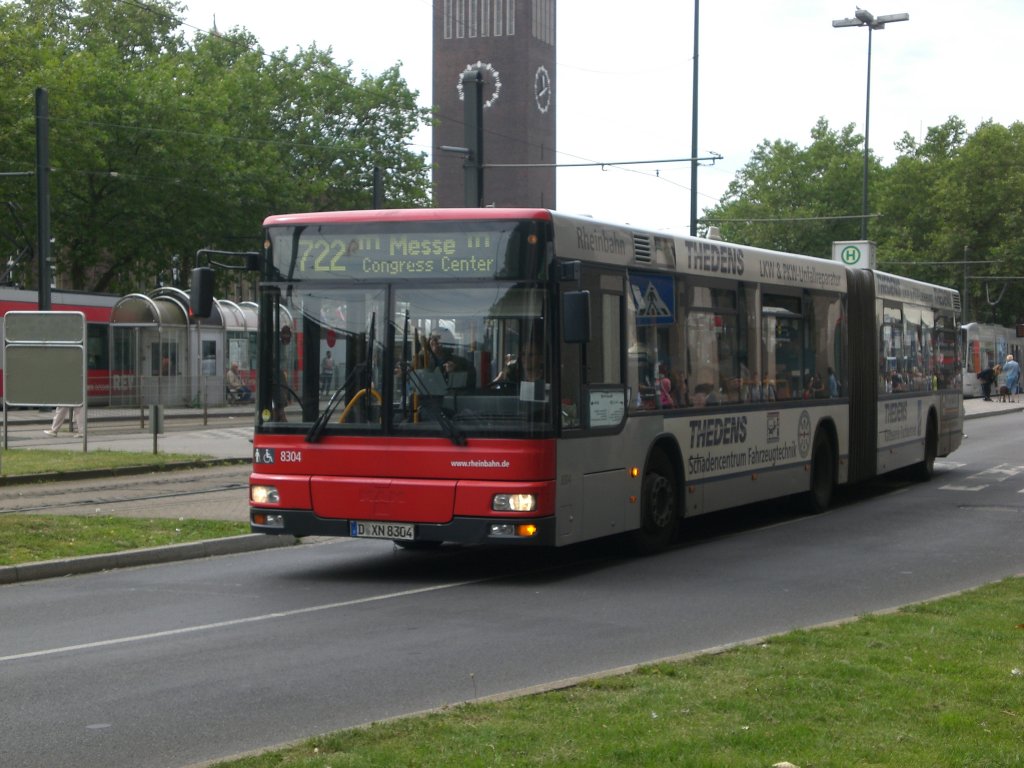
(576, 317)
(201, 295)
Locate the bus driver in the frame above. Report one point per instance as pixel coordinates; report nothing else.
(528, 366)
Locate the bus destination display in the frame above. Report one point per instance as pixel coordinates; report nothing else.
(325, 255)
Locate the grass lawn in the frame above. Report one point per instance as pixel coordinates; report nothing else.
(43, 463)
(937, 684)
(32, 538)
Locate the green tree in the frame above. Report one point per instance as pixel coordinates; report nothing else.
(957, 197)
(796, 199)
(912, 233)
(160, 145)
(953, 196)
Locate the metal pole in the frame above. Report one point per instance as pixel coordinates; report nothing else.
(472, 94)
(867, 122)
(43, 196)
(863, 18)
(693, 145)
(378, 187)
(963, 299)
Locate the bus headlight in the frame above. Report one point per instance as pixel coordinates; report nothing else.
(514, 502)
(264, 494)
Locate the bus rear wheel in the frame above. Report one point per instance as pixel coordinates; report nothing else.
(823, 475)
(925, 469)
(659, 516)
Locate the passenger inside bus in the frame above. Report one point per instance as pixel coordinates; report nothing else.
(815, 387)
(457, 371)
(682, 390)
(666, 393)
(705, 394)
(527, 366)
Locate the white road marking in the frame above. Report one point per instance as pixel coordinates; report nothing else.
(238, 622)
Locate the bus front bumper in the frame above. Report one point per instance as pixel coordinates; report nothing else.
(461, 530)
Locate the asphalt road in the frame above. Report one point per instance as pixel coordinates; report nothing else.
(181, 663)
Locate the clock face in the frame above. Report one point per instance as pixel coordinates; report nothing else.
(542, 89)
(492, 82)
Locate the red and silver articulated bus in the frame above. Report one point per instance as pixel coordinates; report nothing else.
(526, 377)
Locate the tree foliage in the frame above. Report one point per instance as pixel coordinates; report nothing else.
(786, 196)
(954, 197)
(161, 145)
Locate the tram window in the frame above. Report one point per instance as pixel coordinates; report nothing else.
(97, 347)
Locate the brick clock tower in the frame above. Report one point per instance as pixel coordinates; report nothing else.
(512, 42)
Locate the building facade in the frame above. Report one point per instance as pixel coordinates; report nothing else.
(513, 43)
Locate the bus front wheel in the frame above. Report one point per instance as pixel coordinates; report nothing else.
(659, 516)
(414, 545)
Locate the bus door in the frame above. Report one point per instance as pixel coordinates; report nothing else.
(593, 483)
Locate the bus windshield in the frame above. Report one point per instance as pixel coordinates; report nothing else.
(413, 359)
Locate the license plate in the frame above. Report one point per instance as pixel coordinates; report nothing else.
(366, 529)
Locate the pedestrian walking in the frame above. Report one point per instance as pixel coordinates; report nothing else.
(60, 416)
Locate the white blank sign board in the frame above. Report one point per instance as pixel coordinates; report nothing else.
(44, 358)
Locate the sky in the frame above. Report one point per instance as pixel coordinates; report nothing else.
(768, 70)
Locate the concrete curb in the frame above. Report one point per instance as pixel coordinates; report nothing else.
(980, 414)
(231, 545)
(88, 474)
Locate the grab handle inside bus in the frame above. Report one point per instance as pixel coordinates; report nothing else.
(576, 317)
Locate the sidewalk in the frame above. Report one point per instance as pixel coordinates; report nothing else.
(976, 407)
(224, 432)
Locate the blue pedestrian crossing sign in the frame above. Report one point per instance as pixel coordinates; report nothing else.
(653, 299)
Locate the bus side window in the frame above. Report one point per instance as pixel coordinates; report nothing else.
(712, 344)
(824, 329)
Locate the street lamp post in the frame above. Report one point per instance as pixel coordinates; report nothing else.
(864, 18)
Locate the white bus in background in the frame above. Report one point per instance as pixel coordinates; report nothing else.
(985, 345)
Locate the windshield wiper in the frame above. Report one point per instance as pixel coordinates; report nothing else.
(325, 415)
(451, 431)
(362, 369)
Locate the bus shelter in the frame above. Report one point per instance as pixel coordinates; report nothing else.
(149, 343)
(240, 322)
(204, 351)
